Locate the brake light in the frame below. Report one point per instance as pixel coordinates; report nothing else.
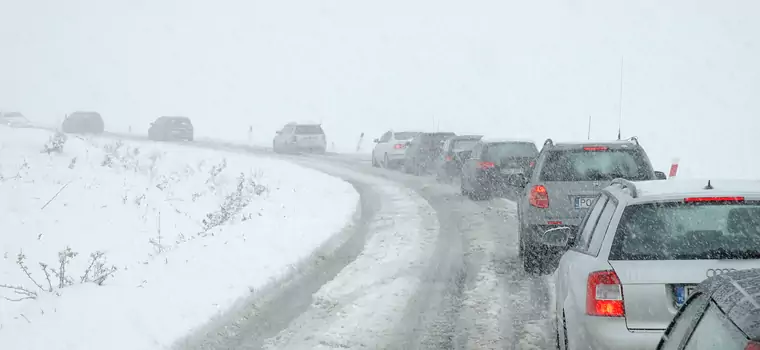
(486, 165)
(448, 158)
(532, 163)
(713, 199)
(604, 294)
(399, 146)
(554, 222)
(595, 148)
(539, 198)
(752, 345)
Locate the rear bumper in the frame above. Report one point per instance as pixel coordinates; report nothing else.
(611, 333)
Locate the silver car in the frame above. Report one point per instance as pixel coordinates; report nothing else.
(641, 251)
(300, 137)
(561, 185)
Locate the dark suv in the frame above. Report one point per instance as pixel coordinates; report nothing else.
(83, 123)
(453, 154)
(423, 150)
(171, 128)
(563, 183)
(493, 165)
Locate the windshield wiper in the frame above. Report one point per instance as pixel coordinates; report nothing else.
(720, 253)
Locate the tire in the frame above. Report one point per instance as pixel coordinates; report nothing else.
(274, 147)
(374, 162)
(461, 187)
(386, 162)
(532, 263)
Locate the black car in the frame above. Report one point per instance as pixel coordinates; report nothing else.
(723, 313)
(449, 163)
(170, 129)
(14, 120)
(493, 165)
(81, 122)
(423, 150)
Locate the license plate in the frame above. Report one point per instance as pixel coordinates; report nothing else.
(683, 293)
(583, 202)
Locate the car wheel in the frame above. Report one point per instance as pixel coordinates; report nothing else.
(374, 161)
(530, 258)
(386, 162)
(461, 187)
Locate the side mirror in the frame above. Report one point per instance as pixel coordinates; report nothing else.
(659, 175)
(557, 237)
(376, 140)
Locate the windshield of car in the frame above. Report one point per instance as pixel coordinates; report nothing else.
(405, 135)
(463, 145)
(582, 165)
(688, 231)
(511, 150)
(309, 130)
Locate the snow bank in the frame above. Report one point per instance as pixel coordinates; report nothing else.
(188, 231)
(363, 306)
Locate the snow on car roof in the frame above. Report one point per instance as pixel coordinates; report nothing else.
(505, 139)
(594, 142)
(680, 187)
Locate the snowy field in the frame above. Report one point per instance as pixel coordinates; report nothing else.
(111, 245)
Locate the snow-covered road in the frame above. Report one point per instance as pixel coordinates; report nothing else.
(463, 287)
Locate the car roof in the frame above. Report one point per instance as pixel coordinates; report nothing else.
(303, 123)
(616, 144)
(466, 137)
(506, 140)
(677, 189)
(737, 294)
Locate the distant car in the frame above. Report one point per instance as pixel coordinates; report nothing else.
(171, 128)
(722, 313)
(448, 165)
(561, 186)
(14, 120)
(390, 148)
(83, 123)
(494, 164)
(300, 137)
(423, 150)
(640, 252)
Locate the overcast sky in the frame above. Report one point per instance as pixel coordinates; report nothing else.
(533, 69)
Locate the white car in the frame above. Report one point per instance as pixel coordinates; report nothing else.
(14, 120)
(390, 148)
(640, 252)
(300, 137)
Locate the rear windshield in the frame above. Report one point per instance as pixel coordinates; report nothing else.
(309, 130)
(85, 115)
(434, 139)
(463, 145)
(13, 116)
(580, 165)
(688, 231)
(511, 150)
(405, 135)
(180, 121)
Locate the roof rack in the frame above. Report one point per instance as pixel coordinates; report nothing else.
(625, 184)
(634, 139)
(548, 142)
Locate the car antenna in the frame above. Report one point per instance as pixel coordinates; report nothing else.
(709, 186)
(620, 103)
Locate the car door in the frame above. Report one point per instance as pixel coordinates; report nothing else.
(471, 165)
(381, 148)
(579, 260)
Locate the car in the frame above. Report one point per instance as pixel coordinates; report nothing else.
(82, 122)
(14, 120)
(422, 151)
(723, 313)
(454, 151)
(561, 185)
(390, 148)
(300, 137)
(493, 166)
(171, 128)
(640, 252)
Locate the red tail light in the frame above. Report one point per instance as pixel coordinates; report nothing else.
(595, 148)
(752, 345)
(532, 163)
(399, 146)
(486, 165)
(604, 295)
(539, 198)
(448, 158)
(713, 199)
